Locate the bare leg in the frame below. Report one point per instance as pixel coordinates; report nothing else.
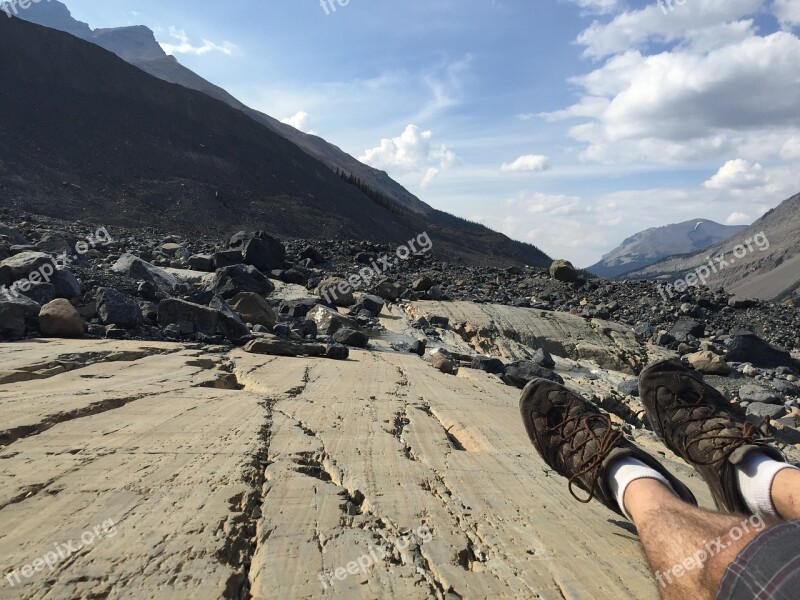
(786, 494)
(688, 548)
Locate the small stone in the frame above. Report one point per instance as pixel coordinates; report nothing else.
(709, 363)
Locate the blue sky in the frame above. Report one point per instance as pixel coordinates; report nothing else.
(569, 124)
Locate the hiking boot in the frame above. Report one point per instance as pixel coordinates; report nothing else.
(579, 442)
(695, 421)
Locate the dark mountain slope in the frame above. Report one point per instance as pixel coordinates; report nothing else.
(84, 135)
(138, 46)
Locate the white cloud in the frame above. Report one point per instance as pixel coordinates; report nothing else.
(689, 104)
(527, 163)
(791, 149)
(184, 45)
(633, 29)
(788, 12)
(737, 175)
(597, 6)
(738, 218)
(300, 121)
(411, 151)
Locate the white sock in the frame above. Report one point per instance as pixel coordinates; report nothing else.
(624, 472)
(755, 475)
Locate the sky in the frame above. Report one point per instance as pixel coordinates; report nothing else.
(569, 124)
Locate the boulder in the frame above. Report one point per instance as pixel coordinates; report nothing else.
(229, 323)
(57, 242)
(709, 363)
(336, 291)
(544, 359)
(176, 312)
(520, 372)
(388, 291)
(259, 250)
(748, 347)
(562, 270)
(41, 293)
(254, 309)
(312, 254)
(21, 265)
(13, 235)
(329, 321)
(66, 285)
(227, 258)
(232, 280)
(275, 346)
(440, 322)
(441, 361)
(372, 303)
(12, 318)
(201, 262)
(337, 352)
(115, 308)
(754, 393)
(136, 268)
(686, 327)
(759, 410)
(629, 387)
(60, 319)
(488, 364)
(423, 284)
(742, 302)
(350, 337)
(418, 347)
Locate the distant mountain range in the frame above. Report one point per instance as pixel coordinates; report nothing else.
(86, 135)
(650, 246)
(766, 269)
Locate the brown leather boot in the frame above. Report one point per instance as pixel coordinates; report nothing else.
(695, 421)
(579, 442)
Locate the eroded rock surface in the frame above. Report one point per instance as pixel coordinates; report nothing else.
(266, 490)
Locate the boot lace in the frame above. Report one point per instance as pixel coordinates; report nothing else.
(593, 465)
(702, 412)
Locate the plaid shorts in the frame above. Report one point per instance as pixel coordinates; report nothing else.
(767, 569)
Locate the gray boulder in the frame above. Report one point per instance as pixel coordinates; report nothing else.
(759, 410)
(748, 347)
(350, 337)
(520, 372)
(115, 308)
(232, 280)
(12, 319)
(136, 268)
(329, 321)
(337, 352)
(488, 364)
(177, 312)
(754, 393)
(260, 250)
